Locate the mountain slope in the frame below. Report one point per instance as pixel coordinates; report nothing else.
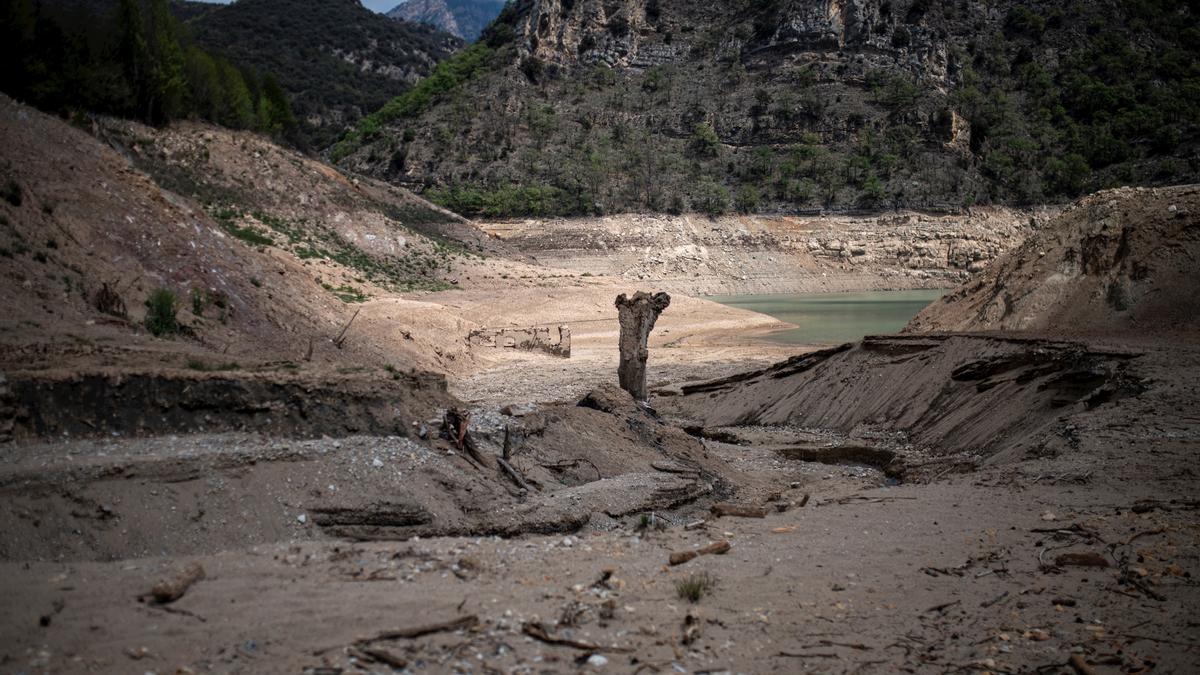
(671, 105)
(462, 18)
(336, 59)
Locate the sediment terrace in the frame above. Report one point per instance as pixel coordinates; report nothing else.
(698, 255)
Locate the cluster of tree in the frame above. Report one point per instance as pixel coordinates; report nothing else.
(134, 61)
(1111, 109)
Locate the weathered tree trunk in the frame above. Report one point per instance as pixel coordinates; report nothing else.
(637, 316)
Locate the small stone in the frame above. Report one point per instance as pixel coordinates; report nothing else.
(1037, 635)
(597, 661)
(302, 518)
(377, 462)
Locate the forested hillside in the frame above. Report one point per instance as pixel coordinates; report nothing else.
(132, 59)
(335, 59)
(796, 105)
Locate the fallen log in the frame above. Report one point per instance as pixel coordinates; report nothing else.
(738, 510)
(715, 548)
(170, 589)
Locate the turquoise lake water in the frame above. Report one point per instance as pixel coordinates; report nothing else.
(835, 317)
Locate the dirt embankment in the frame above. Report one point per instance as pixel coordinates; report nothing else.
(1117, 262)
(556, 468)
(742, 255)
(932, 401)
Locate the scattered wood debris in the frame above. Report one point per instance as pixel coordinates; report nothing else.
(538, 632)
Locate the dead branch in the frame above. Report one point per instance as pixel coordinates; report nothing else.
(461, 622)
(341, 338)
(571, 464)
(513, 474)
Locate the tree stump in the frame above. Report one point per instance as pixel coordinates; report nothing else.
(637, 316)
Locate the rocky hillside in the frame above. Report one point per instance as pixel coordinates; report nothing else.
(774, 254)
(792, 105)
(336, 59)
(1117, 262)
(462, 18)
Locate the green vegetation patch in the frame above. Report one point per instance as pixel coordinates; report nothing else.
(446, 77)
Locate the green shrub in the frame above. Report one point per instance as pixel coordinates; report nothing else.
(748, 199)
(711, 197)
(705, 142)
(161, 307)
(694, 586)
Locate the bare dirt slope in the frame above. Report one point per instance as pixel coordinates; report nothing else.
(1119, 261)
(253, 280)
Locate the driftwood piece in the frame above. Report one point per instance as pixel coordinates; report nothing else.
(514, 474)
(637, 316)
(538, 632)
(715, 548)
(174, 587)
(738, 510)
(461, 622)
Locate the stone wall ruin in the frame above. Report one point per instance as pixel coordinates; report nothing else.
(535, 338)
